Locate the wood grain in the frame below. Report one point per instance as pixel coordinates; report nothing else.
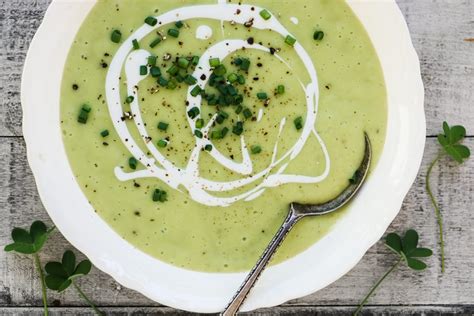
(439, 30)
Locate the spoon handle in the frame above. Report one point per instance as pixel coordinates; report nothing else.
(257, 270)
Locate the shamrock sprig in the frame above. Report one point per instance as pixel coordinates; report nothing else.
(407, 250)
(61, 275)
(450, 141)
(30, 243)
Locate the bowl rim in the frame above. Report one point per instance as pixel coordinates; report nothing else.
(209, 292)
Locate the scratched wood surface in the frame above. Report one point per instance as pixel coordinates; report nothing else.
(439, 30)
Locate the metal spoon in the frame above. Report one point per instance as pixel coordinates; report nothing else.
(298, 211)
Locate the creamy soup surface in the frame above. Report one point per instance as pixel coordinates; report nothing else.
(191, 125)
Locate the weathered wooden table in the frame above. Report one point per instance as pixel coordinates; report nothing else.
(440, 29)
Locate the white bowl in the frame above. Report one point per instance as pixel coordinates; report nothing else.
(333, 256)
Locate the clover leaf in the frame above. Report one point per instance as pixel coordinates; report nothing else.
(450, 141)
(407, 249)
(29, 242)
(61, 274)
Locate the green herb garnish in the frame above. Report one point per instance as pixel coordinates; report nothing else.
(199, 123)
(196, 91)
(61, 275)
(280, 89)
(163, 126)
(450, 141)
(179, 24)
(298, 122)
(238, 128)
(152, 60)
(84, 114)
(143, 70)
(318, 35)
(265, 14)
(256, 149)
(193, 113)
(135, 44)
(156, 42)
(173, 32)
(208, 147)
(116, 36)
(133, 163)
(104, 133)
(290, 40)
(407, 250)
(151, 21)
(30, 243)
(162, 143)
(155, 72)
(129, 99)
(262, 96)
(160, 196)
(214, 62)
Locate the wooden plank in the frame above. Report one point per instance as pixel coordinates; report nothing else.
(452, 184)
(280, 311)
(438, 29)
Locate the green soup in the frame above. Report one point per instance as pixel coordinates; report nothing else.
(213, 185)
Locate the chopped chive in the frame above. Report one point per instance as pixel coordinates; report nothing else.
(190, 80)
(262, 96)
(194, 112)
(160, 196)
(173, 32)
(116, 36)
(239, 109)
(265, 14)
(298, 122)
(232, 77)
(214, 62)
(104, 133)
(162, 143)
(152, 60)
(208, 147)
(256, 149)
(143, 70)
(216, 135)
(135, 44)
(179, 24)
(221, 117)
(238, 61)
(318, 35)
(183, 63)
(224, 131)
(195, 91)
(162, 81)
(83, 116)
(245, 64)
(156, 42)
(238, 99)
(195, 60)
(163, 126)
(171, 85)
(238, 128)
(247, 113)
(86, 107)
(129, 99)
(241, 79)
(220, 70)
(132, 162)
(280, 89)
(200, 123)
(151, 21)
(290, 40)
(155, 71)
(198, 133)
(173, 70)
